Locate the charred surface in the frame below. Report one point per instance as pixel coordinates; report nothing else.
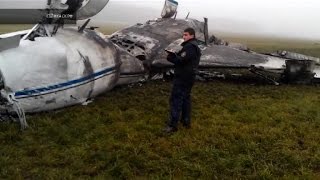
(147, 41)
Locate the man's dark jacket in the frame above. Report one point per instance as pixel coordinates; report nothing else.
(186, 61)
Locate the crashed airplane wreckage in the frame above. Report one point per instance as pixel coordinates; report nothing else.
(145, 43)
(53, 66)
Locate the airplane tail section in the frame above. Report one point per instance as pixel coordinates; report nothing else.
(91, 8)
(83, 9)
(169, 9)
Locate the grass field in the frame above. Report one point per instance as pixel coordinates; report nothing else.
(6, 28)
(239, 131)
(266, 44)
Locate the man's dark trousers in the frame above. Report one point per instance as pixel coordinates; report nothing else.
(180, 102)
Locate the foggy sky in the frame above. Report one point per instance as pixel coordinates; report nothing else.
(288, 18)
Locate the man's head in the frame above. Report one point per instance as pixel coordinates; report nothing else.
(188, 34)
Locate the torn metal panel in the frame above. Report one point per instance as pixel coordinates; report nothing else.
(175, 46)
(147, 41)
(131, 69)
(137, 45)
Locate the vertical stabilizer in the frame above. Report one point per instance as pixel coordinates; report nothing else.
(91, 8)
(169, 9)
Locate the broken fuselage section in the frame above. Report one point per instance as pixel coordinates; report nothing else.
(54, 72)
(53, 65)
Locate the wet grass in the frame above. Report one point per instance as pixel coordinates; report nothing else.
(6, 28)
(239, 131)
(267, 45)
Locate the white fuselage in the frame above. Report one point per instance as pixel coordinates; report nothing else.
(59, 71)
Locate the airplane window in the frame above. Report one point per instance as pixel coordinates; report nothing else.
(141, 57)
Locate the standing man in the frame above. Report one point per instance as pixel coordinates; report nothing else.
(186, 63)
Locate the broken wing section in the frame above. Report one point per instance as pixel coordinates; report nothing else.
(215, 56)
(285, 66)
(295, 56)
(299, 66)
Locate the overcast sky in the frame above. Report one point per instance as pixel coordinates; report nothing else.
(289, 18)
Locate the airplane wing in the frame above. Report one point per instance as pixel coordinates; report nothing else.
(216, 56)
(220, 56)
(295, 56)
(293, 65)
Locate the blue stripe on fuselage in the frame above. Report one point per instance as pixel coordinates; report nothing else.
(57, 87)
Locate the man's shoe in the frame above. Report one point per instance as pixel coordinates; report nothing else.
(169, 129)
(187, 126)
